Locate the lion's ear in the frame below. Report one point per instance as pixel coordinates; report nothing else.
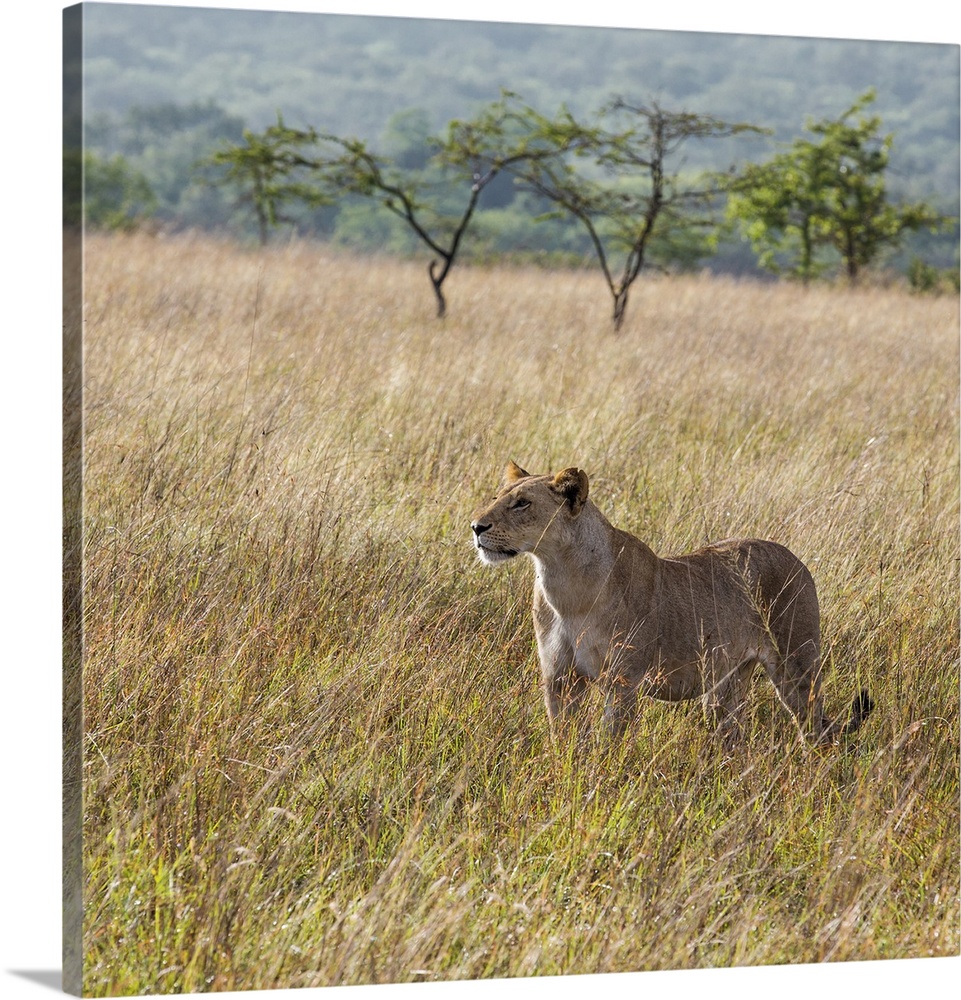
(572, 484)
(513, 472)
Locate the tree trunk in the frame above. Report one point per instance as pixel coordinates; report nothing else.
(620, 307)
(436, 281)
(851, 261)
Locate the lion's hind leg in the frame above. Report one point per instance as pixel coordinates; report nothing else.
(797, 680)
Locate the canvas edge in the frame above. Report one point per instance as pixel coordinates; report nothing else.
(72, 499)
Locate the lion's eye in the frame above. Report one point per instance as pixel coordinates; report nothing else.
(521, 505)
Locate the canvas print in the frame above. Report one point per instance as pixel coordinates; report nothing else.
(511, 500)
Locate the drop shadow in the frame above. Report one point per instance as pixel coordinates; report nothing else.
(51, 978)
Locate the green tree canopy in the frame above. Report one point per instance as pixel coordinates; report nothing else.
(825, 197)
(270, 169)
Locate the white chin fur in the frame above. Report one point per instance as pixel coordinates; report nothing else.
(491, 558)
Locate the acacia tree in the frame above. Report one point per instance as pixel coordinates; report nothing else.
(826, 194)
(639, 191)
(780, 206)
(466, 158)
(270, 169)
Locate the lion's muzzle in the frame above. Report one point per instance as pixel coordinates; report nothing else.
(488, 553)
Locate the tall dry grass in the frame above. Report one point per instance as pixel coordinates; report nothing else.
(314, 748)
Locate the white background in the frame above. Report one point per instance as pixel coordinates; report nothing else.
(30, 485)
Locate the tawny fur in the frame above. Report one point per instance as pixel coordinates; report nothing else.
(608, 610)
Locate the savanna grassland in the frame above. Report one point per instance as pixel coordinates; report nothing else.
(314, 748)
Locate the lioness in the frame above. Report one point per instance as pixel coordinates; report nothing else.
(607, 609)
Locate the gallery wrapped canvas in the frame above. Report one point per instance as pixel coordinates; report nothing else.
(325, 277)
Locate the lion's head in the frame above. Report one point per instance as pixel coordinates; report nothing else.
(529, 514)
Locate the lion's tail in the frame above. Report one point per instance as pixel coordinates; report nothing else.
(861, 708)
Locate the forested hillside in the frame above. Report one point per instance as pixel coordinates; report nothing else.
(165, 85)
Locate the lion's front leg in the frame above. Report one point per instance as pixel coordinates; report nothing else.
(725, 691)
(564, 690)
(564, 686)
(620, 708)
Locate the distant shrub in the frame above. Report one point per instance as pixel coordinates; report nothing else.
(926, 278)
(115, 196)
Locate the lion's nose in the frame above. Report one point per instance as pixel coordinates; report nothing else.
(479, 528)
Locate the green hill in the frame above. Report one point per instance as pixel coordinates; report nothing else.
(354, 75)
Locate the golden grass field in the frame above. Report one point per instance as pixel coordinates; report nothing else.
(315, 752)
